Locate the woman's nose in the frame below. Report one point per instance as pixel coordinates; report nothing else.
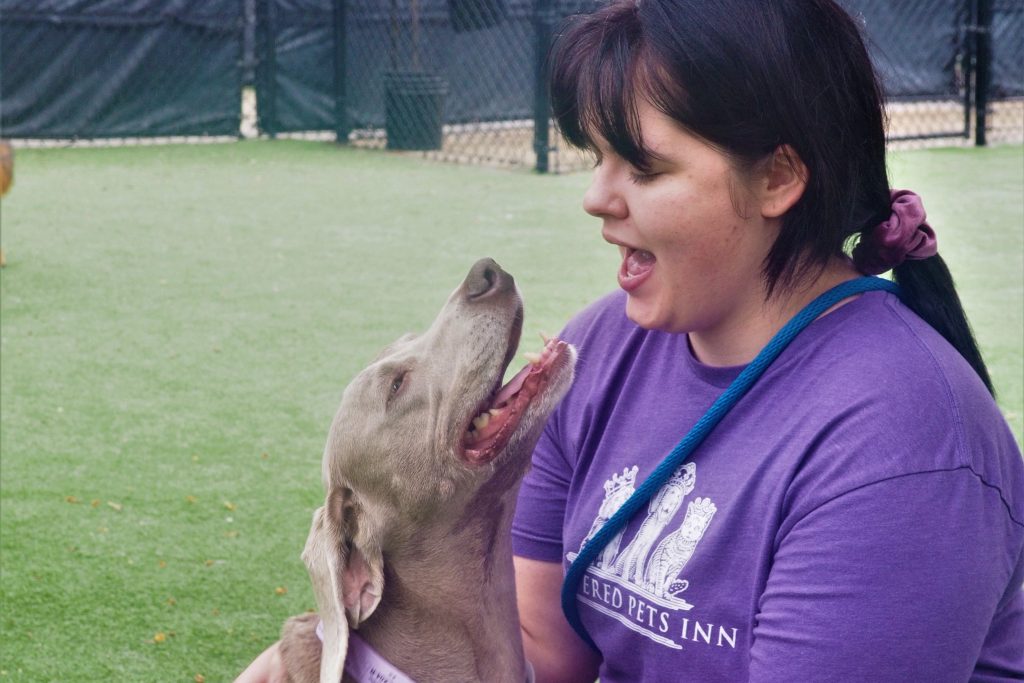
(602, 199)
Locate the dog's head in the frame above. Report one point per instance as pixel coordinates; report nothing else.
(423, 434)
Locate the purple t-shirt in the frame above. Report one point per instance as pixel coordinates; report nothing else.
(858, 516)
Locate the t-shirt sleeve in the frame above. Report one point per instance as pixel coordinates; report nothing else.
(537, 528)
(540, 511)
(894, 581)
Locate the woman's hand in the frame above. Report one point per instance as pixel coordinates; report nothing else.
(267, 668)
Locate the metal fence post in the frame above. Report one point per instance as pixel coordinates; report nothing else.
(543, 22)
(341, 123)
(982, 68)
(266, 67)
(965, 24)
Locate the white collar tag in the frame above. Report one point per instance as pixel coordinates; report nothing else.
(364, 664)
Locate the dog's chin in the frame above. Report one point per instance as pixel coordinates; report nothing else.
(517, 408)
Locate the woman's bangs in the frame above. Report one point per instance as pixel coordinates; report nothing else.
(594, 87)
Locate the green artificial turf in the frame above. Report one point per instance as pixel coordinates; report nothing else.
(177, 326)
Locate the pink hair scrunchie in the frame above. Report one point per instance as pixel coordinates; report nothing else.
(905, 235)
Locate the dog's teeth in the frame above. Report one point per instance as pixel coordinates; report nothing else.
(494, 412)
(481, 420)
(533, 358)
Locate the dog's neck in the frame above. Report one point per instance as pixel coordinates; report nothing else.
(442, 619)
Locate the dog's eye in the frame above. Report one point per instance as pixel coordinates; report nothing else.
(396, 384)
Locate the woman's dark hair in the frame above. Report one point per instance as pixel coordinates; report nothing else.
(749, 76)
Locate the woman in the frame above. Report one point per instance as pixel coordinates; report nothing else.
(859, 515)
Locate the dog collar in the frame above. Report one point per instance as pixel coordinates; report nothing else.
(366, 665)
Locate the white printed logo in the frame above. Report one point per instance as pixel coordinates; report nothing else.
(644, 580)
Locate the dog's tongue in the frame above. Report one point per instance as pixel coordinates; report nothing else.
(489, 431)
(638, 262)
(513, 386)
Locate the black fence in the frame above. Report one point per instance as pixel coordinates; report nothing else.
(86, 69)
(456, 79)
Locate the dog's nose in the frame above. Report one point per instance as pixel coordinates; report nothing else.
(486, 278)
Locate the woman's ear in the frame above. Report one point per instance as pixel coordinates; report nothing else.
(784, 182)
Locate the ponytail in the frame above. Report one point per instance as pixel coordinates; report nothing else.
(928, 290)
(906, 244)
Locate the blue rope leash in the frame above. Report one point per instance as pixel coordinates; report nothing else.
(699, 432)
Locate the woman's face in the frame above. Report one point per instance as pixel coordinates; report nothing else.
(691, 234)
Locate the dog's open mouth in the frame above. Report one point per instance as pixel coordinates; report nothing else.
(490, 430)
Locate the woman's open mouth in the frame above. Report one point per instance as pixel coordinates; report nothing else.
(489, 431)
(637, 266)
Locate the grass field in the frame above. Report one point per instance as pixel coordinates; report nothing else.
(178, 324)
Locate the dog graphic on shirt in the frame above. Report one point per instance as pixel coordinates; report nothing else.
(617, 491)
(630, 565)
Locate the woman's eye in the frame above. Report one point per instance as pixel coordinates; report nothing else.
(642, 178)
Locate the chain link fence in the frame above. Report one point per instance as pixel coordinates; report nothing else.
(81, 70)
(1003, 108)
(453, 80)
(475, 98)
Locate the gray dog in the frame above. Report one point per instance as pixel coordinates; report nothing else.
(421, 469)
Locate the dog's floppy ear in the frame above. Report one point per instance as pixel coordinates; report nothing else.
(347, 576)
